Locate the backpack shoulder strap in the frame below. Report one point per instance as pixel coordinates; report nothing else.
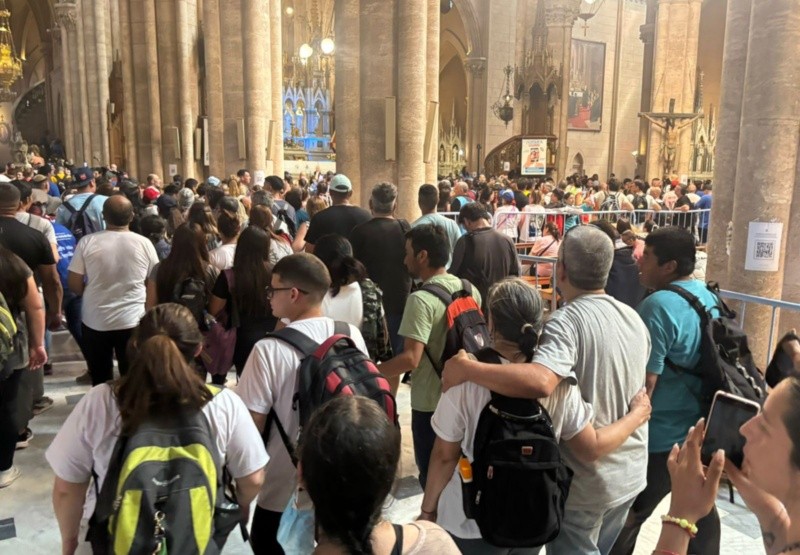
(439, 292)
(86, 203)
(341, 328)
(691, 299)
(298, 340)
(466, 286)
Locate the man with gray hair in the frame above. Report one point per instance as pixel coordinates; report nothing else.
(460, 198)
(380, 245)
(586, 341)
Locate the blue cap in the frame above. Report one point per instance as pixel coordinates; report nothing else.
(213, 181)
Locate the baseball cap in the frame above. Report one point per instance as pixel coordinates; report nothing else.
(507, 194)
(341, 184)
(39, 178)
(213, 181)
(82, 176)
(185, 198)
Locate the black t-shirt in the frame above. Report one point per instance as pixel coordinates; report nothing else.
(27, 243)
(380, 244)
(340, 219)
(520, 199)
(484, 257)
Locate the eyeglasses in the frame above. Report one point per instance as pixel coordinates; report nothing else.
(271, 290)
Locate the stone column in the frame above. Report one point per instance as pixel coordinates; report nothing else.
(476, 101)
(167, 35)
(257, 85)
(734, 64)
(674, 71)
(432, 87)
(184, 10)
(100, 12)
(92, 82)
(647, 36)
(80, 86)
(378, 80)
(231, 84)
(66, 17)
(411, 95)
(560, 16)
(128, 94)
(791, 274)
(214, 108)
(276, 44)
(347, 92)
(768, 153)
(153, 96)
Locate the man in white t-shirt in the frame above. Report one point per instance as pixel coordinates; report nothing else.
(269, 382)
(109, 270)
(588, 340)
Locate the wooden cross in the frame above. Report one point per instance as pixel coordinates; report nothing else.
(668, 121)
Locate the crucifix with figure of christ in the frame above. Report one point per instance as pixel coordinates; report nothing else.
(668, 121)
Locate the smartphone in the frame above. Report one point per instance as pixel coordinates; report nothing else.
(728, 414)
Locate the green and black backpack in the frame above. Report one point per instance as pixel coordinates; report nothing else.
(166, 491)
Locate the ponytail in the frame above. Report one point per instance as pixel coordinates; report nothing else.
(344, 270)
(161, 380)
(528, 340)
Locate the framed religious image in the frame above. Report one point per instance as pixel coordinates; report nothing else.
(587, 69)
(533, 158)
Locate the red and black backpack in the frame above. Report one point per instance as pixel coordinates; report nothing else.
(335, 367)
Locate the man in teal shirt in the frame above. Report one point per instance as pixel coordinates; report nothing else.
(428, 198)
(424, 324)
(675, 335)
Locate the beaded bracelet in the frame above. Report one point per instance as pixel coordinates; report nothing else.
(687, 526)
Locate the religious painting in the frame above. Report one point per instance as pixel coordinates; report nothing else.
(587, 70)
(533, 158)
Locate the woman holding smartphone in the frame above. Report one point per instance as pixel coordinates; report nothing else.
(768, 480)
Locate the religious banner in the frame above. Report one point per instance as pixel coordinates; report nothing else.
(587, 70)
(533, 158)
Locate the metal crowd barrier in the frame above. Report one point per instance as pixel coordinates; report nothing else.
(775, 305)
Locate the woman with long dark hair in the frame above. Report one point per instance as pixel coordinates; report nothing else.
(228, 225)
(188, 259)
(280, 245)
(348, 461)
(243, 290)
(160, 384)
(202, 217)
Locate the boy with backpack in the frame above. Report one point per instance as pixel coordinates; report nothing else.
(272, 388)
(82, 213)
(424, 327)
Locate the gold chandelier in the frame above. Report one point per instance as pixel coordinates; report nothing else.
(10, 64)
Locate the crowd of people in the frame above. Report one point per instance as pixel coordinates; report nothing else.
(176, 284)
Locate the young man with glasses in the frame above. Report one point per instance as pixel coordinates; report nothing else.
(269, 381)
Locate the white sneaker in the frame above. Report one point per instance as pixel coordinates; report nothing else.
(8, 476)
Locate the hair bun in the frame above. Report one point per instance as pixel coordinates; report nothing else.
(527, 328)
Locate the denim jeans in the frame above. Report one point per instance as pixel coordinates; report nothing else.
(72, 306)
(423, 437)
(589, 532)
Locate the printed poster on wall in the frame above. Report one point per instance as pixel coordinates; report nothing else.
(763, 246)
(534, 157)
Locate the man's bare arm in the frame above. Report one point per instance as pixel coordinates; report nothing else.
(520, 380)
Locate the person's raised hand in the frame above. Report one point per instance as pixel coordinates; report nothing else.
(694, 489)
(454, 372)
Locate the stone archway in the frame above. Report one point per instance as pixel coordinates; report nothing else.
(577, 164)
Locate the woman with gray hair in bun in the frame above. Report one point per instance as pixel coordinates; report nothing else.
(515, 317)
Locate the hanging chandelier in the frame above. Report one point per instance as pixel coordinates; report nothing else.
(503, 109)
(10, 64)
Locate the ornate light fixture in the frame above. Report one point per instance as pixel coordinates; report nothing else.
(313, 58)
(588, 10)
(10, 64)
(503, 108)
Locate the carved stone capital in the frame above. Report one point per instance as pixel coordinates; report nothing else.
(647, 33)
(562, 13)
(475, 66)
(66, 15)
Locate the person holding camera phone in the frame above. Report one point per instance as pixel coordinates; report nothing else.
(767, 480)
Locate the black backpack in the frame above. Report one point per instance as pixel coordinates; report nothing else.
(726, 363)
(466, 327)
(336, 367)
(284, 216)
(520, 483)
(79, 222)
(193, 294)
(639, 202)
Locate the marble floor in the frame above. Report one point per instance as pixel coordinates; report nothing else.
(27, 524)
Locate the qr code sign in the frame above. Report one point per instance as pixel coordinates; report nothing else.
(765, 250)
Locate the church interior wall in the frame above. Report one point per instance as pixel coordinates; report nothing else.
(709, 52)
(594, 146)
(501, 41)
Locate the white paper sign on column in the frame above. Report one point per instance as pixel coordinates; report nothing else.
(173, 170)
(258, 177)
(763, 246)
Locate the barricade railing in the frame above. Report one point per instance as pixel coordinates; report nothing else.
(553, 276)
(775, 306)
